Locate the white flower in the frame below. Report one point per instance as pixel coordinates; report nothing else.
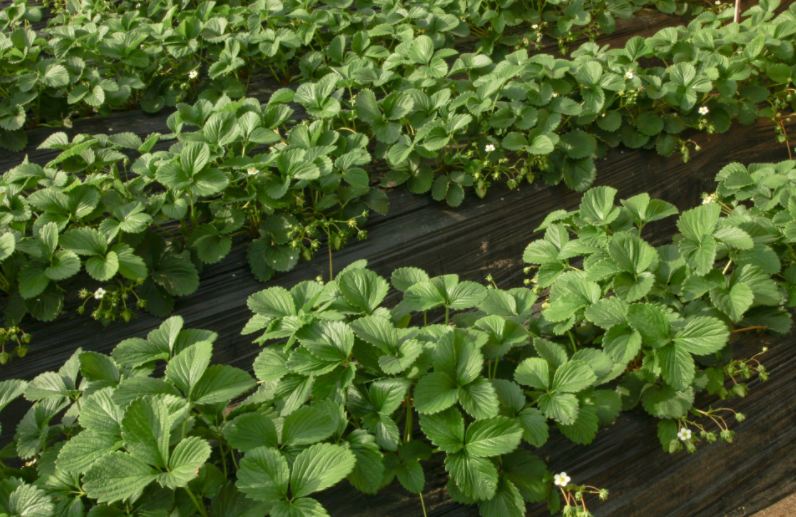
(489, 148)
(628, 75)
(67, 123)
(252, 171)
(534, 26)
(703, 110)
(561, 479)
(709, 199)
(684, 434)
(193, 74)
(555, 94)
(137, 6)
(718, 2)
(99, 293)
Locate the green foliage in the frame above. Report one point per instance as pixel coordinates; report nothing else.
(95, 57)
(342, 378)
(143, 222)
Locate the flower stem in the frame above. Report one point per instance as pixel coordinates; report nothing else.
(748, 328)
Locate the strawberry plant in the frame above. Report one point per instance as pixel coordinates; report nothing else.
(163, 53)
(610, 323)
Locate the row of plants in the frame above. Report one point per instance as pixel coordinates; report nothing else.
(145, 222)
(342, 378)
(101, 56)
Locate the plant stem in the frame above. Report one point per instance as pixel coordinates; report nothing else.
(447, 314)
(726, 267)
(331, 271)
(572, 339)
(423, 504)
(409, 416)
(196, 502)
(748, 328)
(737, 11)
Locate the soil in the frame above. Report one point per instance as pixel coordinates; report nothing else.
(786, 507)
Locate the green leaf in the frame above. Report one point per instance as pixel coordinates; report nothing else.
(368, 472)
(274, 302)
(703, 335)
(249, 431)
(584, 429)
(733, 302)
(492, 437)
(405, 277)
(187, 367)
(651, 322)
(479, 399)
(578, 144)
(573, 376)
(187, 458)
(146, 431)
(507, 502)
(221, 383)
(677, 365)
(327, 340)
(444, 429)
(306, 426)
(533, 372)
(117, 476)
(666, 402)
(631, 253)
(477, 478)
(621, 343)
(302, 507)
(699, 222)
(363, 289)
(435, 392)
(81, 452)
(597, 206)
(561, 407)
(264, 475)
(320, 467)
